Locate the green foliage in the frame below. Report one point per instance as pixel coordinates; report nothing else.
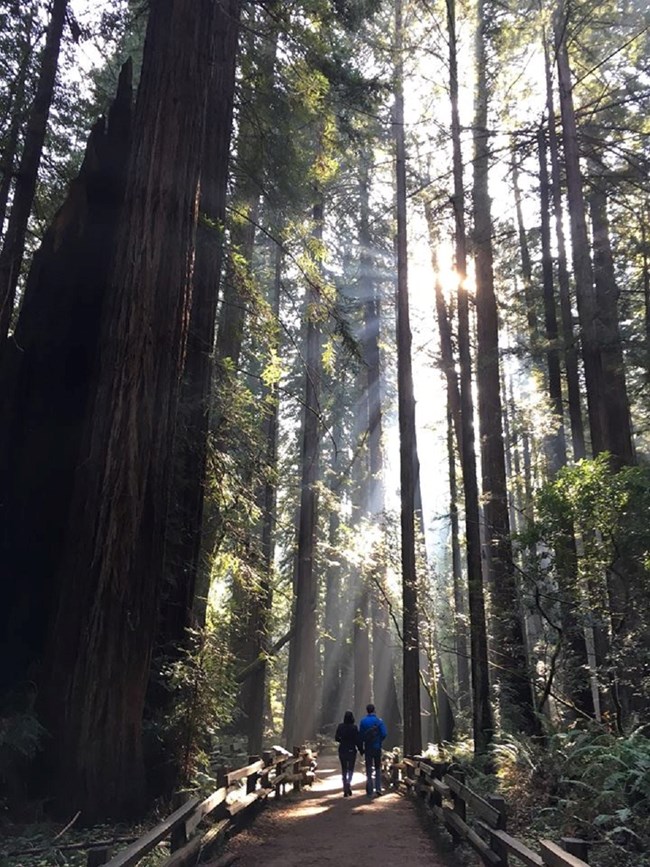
(582, 783)
(200, 684)
(606, 576)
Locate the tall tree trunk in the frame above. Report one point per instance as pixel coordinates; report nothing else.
(17, 108)
(300, 708)
(526, 267)
(384, 692)
(261, 601)
(333, 640)
(406, 411)
(482, 723)
(570, 353)
(183, 543)
(645, 254)
(460, 615)
(515, 692)
(619, 425)
(97, 668)
(13, 248)
(558, 443)
(582, 269)
(47, 377)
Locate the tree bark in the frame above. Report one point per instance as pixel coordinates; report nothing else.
(620, 439)
(13, 248)
(482, 723)
(47, 377)
(97, 667)
(569, 349)
(558, 443)
(300, 709)
(515, 693)
(582, 269)
(17, 106)
(406, 412)
(184, 528)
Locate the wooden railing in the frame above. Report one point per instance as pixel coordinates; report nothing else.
(269, 775)
(478, 821)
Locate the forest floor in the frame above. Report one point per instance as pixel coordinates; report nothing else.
(321, 827)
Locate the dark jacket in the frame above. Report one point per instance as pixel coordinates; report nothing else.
(347, 735)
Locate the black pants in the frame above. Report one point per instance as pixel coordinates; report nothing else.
(373, 771)
(348, 758)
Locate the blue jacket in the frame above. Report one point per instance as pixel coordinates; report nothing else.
(367, 722)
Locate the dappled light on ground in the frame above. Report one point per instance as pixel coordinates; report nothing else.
(321, 827)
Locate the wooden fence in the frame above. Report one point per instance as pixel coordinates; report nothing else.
(478, 821)
(237, 793)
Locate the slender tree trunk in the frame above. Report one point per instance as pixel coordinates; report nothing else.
(645, 253)
(460, 615)
(97, 668)
(300, 709)
(526, 267)
(333, 639)
(558, 443)
(570, 352)
(262, 600)
(13, 248)
(17, 108)
(512, 674)
(481, 709)
(406, 404)
(587, 309)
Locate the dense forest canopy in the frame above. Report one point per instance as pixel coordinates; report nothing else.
(324, 376)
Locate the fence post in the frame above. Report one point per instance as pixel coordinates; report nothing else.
(296, 772)
(576, 846)
(179, 833)
(499, 803)
(394, 772)
(460, 808)
(99, 855)
(251, 780)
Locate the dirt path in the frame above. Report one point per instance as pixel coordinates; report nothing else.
(321, 827)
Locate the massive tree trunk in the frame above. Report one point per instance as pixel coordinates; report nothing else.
(515, 693)
(406, 411)
(481, 708)
(13, 248)
(300, 709)
(183, 543)
(96, 671)
(47, 377)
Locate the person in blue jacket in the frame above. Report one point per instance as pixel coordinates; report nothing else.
(372, 732)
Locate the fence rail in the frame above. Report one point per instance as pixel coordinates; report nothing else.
(450, 800)
(238, 790)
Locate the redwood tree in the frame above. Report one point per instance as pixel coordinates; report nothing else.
(96, 671)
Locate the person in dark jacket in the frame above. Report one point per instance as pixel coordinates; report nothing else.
(372, 732)
(347, 736)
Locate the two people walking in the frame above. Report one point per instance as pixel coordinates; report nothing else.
(367, 740)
